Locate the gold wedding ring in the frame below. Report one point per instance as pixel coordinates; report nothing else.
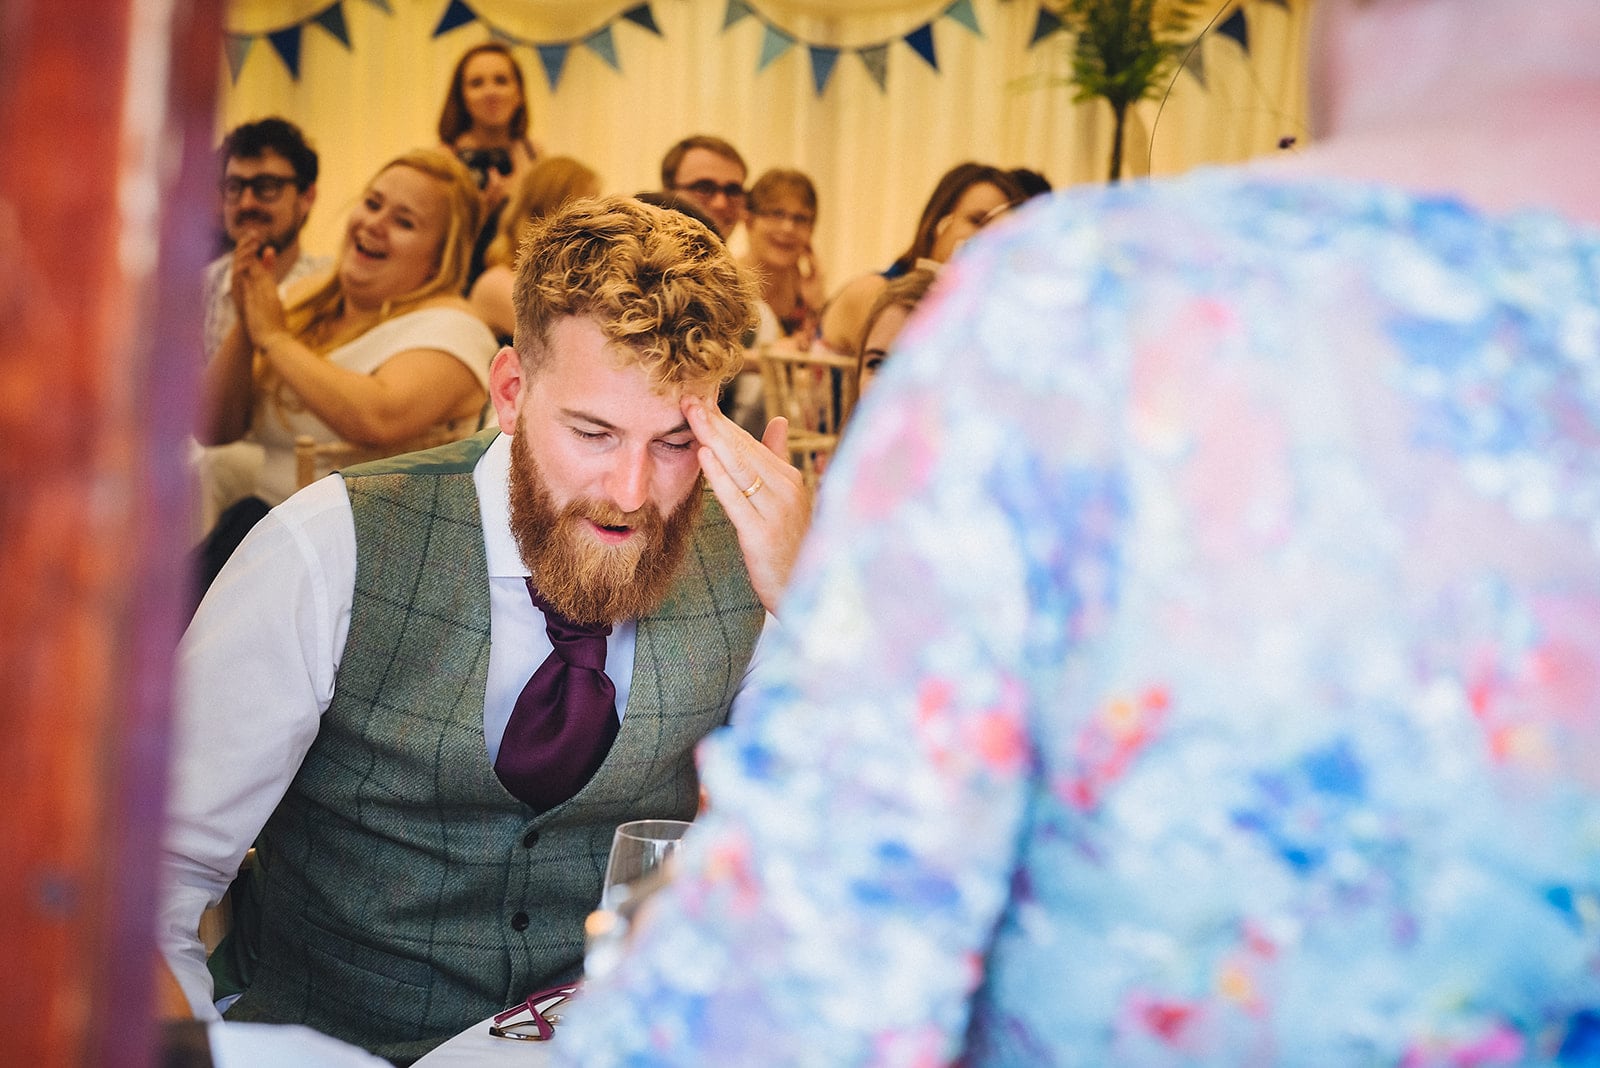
(754, 486)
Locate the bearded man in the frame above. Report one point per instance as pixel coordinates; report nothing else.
(269, 182)
(435, 684)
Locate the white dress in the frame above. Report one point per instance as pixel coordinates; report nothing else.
(449, 330)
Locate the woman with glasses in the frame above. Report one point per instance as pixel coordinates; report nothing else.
(779, 223)
(379, 352)
(779, 219)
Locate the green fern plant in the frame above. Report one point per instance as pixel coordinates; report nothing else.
(1124, 51)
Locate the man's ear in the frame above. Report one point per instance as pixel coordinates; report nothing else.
(309, 196)
(506, 384)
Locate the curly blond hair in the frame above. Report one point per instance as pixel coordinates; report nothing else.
(653, 280)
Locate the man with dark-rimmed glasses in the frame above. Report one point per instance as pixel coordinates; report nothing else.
(712, 172)
(268, 184)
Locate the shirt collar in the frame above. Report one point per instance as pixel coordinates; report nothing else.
(492, 480)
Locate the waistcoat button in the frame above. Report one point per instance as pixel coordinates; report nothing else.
(530, 839)
(519, 921)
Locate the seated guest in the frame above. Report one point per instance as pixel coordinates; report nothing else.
(549, 184)
(966, 198)
(408, 681)
(269, 182)
(781, 215)
(712, 172)
(1029, 182)
(378, 353)
(886, 318)
(1197, 656)
(779, 222)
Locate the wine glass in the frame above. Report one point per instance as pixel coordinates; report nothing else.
(639, 854)
(638, 851)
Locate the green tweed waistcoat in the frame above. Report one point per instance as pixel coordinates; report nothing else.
(407, 894)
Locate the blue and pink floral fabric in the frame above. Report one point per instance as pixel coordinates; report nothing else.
(1196, 660)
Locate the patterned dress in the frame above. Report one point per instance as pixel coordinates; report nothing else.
(1196, 660)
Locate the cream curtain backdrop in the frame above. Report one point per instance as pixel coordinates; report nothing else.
(874, 154)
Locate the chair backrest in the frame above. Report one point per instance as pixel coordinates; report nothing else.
(815, 391)
(313, 458)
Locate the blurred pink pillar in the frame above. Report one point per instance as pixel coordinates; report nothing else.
(106, 208)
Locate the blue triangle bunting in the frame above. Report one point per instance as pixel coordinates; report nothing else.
(921, 42)
(1236, 28)
(961, 11)
(1048, 22)
(601, 44)
(822, 62)
(773, 44)
(382, 5)
(236, 48)
(457, 14)
(553, 57)
(737, 10)
(332, 20)
(876, 60)
(286, 42)
(642, 16)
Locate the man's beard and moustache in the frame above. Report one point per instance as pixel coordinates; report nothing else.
(278, 240)
(583, 579)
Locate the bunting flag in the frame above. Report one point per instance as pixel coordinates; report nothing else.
(552, 58)
(457, 14)
(1194, 61)
(773, 44)
(822, 62)
(643, 17)
(286, 40)
(876, 60)
(332, 20)
(921, 42)
(1047, 23)
(1235, 28)
(961, 11)
(824, 56)
(236, 47)
(737, 10)
(601, 44)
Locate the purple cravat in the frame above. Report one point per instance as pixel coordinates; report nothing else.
(565, 719)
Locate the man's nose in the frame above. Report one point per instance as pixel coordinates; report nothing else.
(628, 483)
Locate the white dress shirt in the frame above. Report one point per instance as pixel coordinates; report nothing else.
(255, 672)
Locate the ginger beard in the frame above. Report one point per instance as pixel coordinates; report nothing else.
(584, 580)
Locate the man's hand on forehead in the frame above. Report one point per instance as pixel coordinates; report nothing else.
(763, 494)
